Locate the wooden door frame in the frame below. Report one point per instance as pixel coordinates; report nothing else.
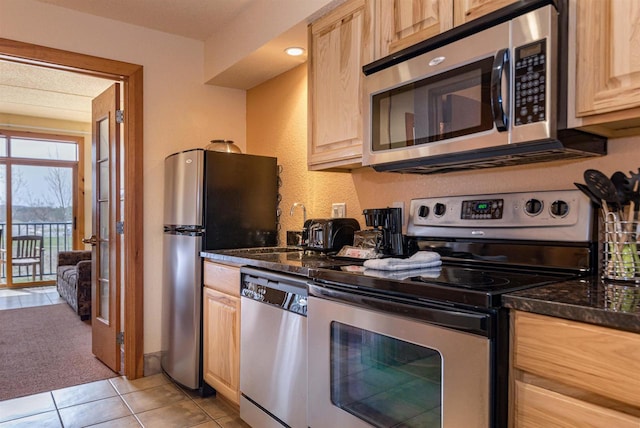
(131, 77)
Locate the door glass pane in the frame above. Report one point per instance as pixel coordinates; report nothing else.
(104, 181)
(104, 219)
(385, 381)
(40, 149)
(103, 135)
(103, 300)
(104, 260)
(42, 219)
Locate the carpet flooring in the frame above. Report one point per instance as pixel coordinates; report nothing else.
(45, 348)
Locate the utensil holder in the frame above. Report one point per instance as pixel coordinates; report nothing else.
(620, 297)
(621, 258)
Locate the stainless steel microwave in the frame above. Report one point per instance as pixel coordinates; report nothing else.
(489, 93)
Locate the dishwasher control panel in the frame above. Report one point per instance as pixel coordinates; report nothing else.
(287, 296)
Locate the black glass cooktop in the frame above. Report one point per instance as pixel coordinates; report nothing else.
(479, 286)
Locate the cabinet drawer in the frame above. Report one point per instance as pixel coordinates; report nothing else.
(221, 277)
(595, 359)
(538, 407)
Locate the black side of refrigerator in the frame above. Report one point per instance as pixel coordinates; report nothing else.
(240, 201)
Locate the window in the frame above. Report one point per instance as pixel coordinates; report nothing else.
(41, 209)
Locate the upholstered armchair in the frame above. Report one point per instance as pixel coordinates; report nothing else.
(74, 280)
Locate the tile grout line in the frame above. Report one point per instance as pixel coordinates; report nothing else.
(55, 404)
(135, 416)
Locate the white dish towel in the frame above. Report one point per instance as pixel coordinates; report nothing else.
(420, 260)
(405, 273)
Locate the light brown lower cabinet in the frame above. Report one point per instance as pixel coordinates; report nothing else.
(539, 407)
(221, 330)
(222, 343)
(572, 374)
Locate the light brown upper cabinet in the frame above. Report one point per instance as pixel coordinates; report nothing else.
(352, 35)
(608, 66)
(468, 10)
(402, 23)
(340, 44)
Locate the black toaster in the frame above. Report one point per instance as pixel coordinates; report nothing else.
(328, 234)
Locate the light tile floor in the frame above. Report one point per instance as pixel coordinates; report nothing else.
(14, 298)
(152, 401)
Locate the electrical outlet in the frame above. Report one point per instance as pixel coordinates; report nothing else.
(338, 210)
(401, 206)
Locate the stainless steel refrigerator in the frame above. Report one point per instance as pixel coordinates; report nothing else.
(213, 200)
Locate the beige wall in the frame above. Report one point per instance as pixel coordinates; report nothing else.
(276, 125)
(180, 111)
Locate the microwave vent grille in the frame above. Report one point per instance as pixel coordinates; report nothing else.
(483, 159)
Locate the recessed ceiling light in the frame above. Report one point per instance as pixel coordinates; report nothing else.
(294, 51)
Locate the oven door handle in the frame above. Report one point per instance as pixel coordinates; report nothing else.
(429, 312)
(500, 65)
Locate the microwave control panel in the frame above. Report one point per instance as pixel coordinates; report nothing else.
(530, 83)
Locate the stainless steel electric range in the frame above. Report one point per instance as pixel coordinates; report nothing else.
(430, 347)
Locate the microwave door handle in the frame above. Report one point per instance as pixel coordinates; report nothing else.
(499, 63)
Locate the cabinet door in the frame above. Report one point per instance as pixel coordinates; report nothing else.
(468, 10)
(221, 343)
(340, 44)
(608, 64)
(402, 23)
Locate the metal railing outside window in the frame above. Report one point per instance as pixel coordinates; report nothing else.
(57, 236)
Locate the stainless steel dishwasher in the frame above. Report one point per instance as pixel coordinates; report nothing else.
(273, 349)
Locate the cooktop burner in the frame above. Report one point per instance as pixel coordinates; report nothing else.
(480, 279)
(477, 286)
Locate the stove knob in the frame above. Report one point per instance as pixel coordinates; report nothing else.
(559, 208)
(423, 211)
(439, 209)
(533, 206)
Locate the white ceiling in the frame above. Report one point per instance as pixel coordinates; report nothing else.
(43, 92)
(36, 91)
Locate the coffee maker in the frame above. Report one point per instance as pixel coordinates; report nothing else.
(387, 230)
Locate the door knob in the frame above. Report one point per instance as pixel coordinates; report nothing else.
(93, 240)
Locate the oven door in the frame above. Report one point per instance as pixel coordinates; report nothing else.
(371, 367)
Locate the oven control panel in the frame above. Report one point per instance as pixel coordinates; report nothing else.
(482, 209)
(558, 214)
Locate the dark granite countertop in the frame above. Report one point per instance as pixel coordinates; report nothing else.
(282, 259)
(590, 300)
